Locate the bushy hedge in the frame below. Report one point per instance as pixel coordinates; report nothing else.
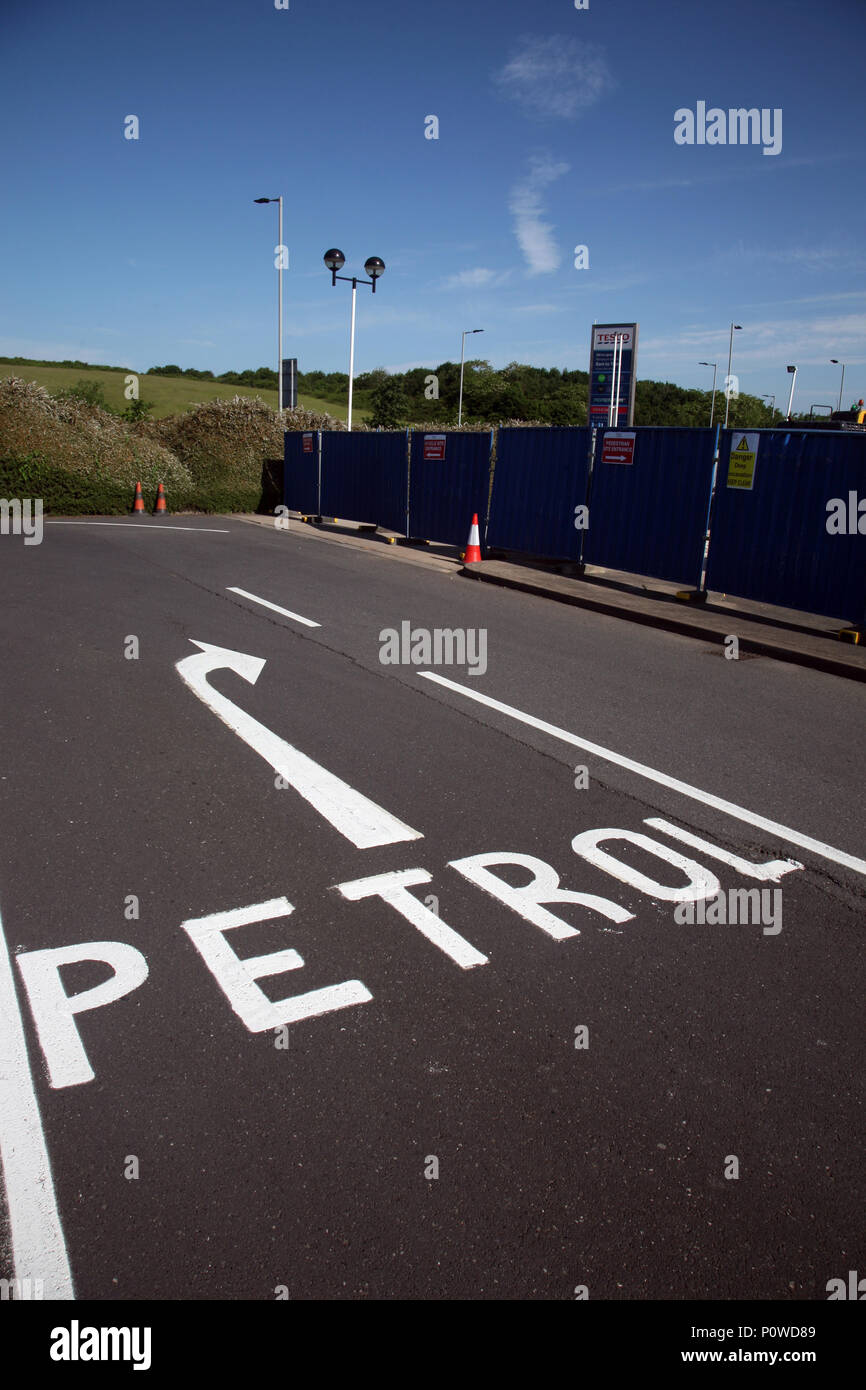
(80, 452)
(81, 459)
(224, 444)
(68, 492)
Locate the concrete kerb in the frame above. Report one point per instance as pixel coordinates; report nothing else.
(654, 610)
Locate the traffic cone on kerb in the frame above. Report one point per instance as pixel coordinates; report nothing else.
(160, 499)
(473, 545)
(138, 504)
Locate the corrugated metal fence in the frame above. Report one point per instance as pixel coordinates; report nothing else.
(649, 516)
(301, 470)
(449, 478)
(364, 476)
(648, 491)
(539, 480)
(771, 542)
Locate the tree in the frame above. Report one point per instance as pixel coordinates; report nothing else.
(86, 390)
(511, 404)
(137, 410)
(390, 406)
(565, 408)
(369, 381)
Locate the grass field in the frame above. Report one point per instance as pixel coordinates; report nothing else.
(171, 395)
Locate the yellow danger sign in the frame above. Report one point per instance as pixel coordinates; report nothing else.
(741, 462)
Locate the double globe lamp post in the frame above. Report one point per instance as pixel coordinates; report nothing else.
(374, 266)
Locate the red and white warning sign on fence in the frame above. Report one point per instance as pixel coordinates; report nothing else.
(434, 446)
(618, 448)
(308, 444)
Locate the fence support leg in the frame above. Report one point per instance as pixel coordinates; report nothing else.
(699, 595)
(577, 568)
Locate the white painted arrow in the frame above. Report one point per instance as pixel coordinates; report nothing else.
(356, 817)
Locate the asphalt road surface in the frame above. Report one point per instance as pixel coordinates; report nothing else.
(447, 1082)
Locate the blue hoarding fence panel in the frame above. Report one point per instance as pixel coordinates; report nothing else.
(449, 479)
(770, 541)
(365, 477)
(539, 480)
(301, 470)
(649, 501)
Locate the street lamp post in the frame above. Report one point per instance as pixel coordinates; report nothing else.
(714, 366)
(462, 358)
(735, 328)
(772, 400)
(279, 299)
(374, 266)
(837, 363)
(791, 397)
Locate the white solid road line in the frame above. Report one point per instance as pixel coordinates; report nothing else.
(784, 832)
(266, 603)
(355, 816)
(143, 526)
(38, 1245)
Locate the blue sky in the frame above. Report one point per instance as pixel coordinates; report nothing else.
(556, 129)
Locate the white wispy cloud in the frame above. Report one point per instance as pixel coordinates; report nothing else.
(555, 76)
(476, 278)
(537, 309)
(773, 341)
(607, 284)
(717, 176)
(50, 350)
(807, 299)
(308, 320)
(535, 237)
(808, 257)
(396, 367)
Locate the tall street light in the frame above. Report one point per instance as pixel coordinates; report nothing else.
(462, 357)
(772, 400)
(279, 299)
(714, 366)
(791, 397)
(837, 363)
(374, 266)
(735, 328)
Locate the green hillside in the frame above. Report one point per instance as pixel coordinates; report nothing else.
(171, 395)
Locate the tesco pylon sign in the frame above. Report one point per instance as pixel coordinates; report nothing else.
(612, 374)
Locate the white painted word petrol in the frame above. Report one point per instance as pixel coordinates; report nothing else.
(55, 1011)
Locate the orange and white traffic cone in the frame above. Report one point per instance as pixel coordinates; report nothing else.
(160, 500)
(473, 545)
(138, 504)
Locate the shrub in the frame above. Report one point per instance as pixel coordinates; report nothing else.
(224, 443)
(86, 450)
(88, 391)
